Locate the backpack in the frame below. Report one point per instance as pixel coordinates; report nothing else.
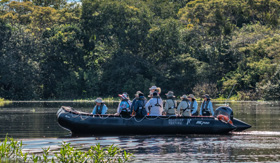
(140, 110)
(124, 106)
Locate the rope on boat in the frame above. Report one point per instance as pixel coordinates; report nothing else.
(151, 118)
(81, 116)
(126, 118)
(102, 117)
(140, 119)
(75, 116)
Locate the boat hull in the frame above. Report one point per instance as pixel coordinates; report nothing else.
(87, 124)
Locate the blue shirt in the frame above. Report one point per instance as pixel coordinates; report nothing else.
(194, 106)
(133, 104)
(140, 102)
(209, 107)
(104, 110)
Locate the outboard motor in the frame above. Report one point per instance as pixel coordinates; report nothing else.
(224, 114)
(224, 110)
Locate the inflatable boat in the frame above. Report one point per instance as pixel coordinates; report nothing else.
(81, 123)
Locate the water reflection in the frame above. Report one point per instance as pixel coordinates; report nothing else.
(35, 124)
(207, 148)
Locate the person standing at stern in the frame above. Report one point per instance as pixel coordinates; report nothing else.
(206, 108)
(100, 107)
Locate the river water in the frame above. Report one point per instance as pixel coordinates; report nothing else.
(35, 124)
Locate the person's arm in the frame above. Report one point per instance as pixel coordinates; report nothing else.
(147, 106)
(166, 105)
(104, 110)
(179, 107)
(133, 104)
(211, 108)
(94, 110)
(161, 104)
(118, 110)
(175, 102)
(194, 107)
(200, 112)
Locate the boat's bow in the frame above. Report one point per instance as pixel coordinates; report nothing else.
(240, 125)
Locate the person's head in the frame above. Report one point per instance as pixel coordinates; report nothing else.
(153, 88)
(184, 97)
(206, 97)
(191, 97)
(98, 101)
(170, 94)
(155, 94)
(139, 93)
(123, 96)
(125, 93)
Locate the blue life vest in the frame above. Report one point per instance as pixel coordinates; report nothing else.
(124, 106)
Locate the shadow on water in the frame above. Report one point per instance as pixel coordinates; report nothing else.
(35, 124)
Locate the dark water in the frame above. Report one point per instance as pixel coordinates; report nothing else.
(35, 123)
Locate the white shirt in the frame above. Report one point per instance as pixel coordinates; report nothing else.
(154, 110)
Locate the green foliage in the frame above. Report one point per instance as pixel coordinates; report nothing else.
(59, 50)
(11, 150)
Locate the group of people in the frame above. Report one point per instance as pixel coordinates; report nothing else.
(141, 107)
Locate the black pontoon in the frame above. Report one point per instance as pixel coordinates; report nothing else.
(80, 123)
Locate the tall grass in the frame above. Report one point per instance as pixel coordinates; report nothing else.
(3, 101)
(11, 150)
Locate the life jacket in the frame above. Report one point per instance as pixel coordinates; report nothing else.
(188, 107)
(174, 106)
(141, 104)
(191, 106)
(157, 104)
(205, 110)
(140, 110)
(99, 109)
(124, 106)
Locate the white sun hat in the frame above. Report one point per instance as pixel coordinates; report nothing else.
(99, 100)
(153, 87)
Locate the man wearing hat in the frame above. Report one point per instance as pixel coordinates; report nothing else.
(100, 107)
(184, 105)
(154, 89)
(206, 108)
(193, 105)
(154, 105)
(170, 104)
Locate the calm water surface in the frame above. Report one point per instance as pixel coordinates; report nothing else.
(35, 124)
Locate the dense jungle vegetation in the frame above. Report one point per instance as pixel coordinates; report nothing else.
(61, 50)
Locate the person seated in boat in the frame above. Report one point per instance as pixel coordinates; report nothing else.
(206, 108)
(193, 105)
(170, 104)
(124, 105)
(184, 106)
(138, 107)
(154, 105)
(100, 107)
(154, 89)
(134, 101)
